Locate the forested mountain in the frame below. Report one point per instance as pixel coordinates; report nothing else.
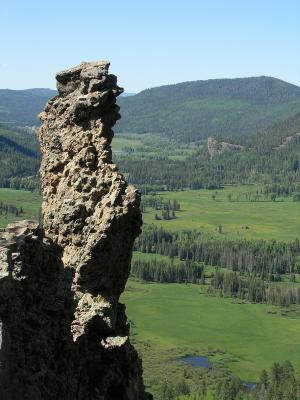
(185, 111)
(267, 155)
(21, 107)
(218, 107)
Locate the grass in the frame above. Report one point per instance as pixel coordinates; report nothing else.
(30, 202)
(153, 145)
(132, 141)
(176, 320)
(265, 219)
(137, 255)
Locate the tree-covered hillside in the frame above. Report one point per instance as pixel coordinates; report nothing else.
(268, 157)
(263, 160)
(275, 136)
(21, 107)
(220, 107)
(19, 158)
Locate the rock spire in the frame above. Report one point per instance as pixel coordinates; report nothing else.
(64, 332)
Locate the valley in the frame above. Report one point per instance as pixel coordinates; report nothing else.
(238, 336)
(216, 270)
(150, 200)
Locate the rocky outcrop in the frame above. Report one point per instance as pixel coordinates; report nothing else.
(287, 141)
(65, 334)
(216, 148)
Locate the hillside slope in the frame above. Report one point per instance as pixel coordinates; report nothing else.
(219, 107)
(21, 107)
(19, 154)
(257, 158)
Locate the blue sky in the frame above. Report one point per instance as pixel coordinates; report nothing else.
(149, 43)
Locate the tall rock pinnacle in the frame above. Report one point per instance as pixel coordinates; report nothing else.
(68, 335)
(88, 208)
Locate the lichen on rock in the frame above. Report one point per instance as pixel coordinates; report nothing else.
(81, 260)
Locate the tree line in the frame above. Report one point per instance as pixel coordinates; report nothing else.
(253, 289)
(281, 382)
(32, 184)
(167, 208)
(167, 271)
(6, 209)
(158, 203)
(265, 258)
(281, 189)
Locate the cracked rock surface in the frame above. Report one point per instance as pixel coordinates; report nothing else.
(64, 332)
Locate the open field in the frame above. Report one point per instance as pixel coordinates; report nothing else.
(175, 320)
(120, 142)
(153, 145)
(30, 203)
(264, 219)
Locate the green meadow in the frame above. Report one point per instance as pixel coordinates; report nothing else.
(263, 219)
(152, 145)
(29, 201)
(172, 320)
(126, 141)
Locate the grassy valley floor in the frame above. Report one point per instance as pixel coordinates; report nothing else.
(29, 202)
(239, 218)
(173, 320)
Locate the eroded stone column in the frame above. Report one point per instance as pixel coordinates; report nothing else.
(66, 278)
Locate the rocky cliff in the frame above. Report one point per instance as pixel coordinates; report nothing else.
(64, 332)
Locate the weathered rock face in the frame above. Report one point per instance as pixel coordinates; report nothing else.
(65, 334)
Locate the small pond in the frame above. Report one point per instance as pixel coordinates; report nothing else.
(197, 361)
(249, 385)
(204, 362)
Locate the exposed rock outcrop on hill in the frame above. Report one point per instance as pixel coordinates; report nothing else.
(216, 148)
(287, 141)
(65, 334)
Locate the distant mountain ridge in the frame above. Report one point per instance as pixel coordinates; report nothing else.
(187, 111)
(21, 107)
(196, 110)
